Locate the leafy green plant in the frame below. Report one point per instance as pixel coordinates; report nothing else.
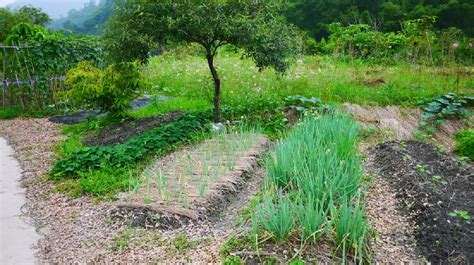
(315, 173)
(156, 141)
(277, 217)
(312, 219)
(110, 90)
(351, 229)
(463, 215)
(302, 104)
(438, 110)
(465, 143)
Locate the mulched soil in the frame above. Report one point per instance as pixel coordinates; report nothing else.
(411, 169)
(120, 132)
(81, 116)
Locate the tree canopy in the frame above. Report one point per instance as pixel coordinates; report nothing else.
(25, 14)
(315, 16)
(140, 25)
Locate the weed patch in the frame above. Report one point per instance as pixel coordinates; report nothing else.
(465, 143)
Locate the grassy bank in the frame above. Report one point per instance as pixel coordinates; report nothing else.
(187, 76)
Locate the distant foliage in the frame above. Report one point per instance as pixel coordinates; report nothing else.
(383, 15)
(417, 43)
(90, 19)
(111, 90)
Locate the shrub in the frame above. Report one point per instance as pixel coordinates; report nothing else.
(111, 90)
(465, 143)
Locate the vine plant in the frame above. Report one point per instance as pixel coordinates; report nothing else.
(37, 60)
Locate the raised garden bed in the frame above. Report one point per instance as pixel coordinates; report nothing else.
(191, 184)
(121, 132)
(437, 192)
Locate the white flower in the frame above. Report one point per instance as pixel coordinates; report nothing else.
(455, 45)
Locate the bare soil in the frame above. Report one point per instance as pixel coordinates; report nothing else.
(429, 186)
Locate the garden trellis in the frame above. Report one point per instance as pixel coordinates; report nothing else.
(32, 74)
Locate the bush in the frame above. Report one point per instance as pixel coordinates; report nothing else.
(465, 143)
(111, 90)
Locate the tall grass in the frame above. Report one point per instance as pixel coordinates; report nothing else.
(245, 87)
(313, 176)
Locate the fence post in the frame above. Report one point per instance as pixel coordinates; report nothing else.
(4, 77)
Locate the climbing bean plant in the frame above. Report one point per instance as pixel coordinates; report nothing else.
(36, 61)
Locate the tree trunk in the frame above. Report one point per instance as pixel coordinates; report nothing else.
(217, 86)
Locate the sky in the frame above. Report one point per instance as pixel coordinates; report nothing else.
(55, 8)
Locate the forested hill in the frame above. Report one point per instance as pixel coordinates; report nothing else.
(386, 15)
(88, 20)
(314, 16)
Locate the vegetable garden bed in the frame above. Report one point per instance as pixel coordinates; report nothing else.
(436, 191)
(191, 184)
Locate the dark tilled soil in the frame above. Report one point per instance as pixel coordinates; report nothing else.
(430, 185)
(121, 132)
(74, 118)
(81, 116)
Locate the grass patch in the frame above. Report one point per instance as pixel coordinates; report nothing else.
(465, 143)
(243, 86)
(157, 107)
(182, 242)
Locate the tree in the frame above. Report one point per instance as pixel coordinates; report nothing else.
(26, 14)
(139, 25)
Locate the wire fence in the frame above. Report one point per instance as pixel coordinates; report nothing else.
(32, 75)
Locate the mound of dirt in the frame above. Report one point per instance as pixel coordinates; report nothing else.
(192, 185)
(398, 123)
(121, 132)
(431, 186)
(372, 82)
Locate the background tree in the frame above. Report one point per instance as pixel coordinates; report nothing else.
(26, 14)
(255, 27)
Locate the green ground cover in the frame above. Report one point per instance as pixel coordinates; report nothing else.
(244, 87)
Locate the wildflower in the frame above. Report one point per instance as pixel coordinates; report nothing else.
(470, 44)
(455, 45)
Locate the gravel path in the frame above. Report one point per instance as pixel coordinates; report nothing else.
(80, 230)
